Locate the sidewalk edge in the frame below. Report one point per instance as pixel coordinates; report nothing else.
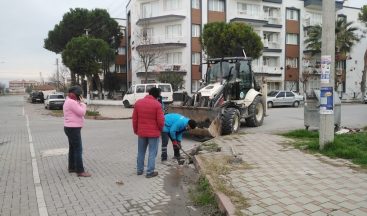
(224, 203)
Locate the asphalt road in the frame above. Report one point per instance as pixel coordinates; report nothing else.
(286, 118)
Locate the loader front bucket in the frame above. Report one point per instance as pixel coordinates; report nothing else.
(208, 119)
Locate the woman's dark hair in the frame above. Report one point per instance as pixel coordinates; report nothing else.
(192, 124)
(155, 92)
(77, 90)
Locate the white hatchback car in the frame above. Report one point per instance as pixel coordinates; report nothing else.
(54, 101)
(283, 98)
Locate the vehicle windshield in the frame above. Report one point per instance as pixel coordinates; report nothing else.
(215, 74)
(56, 96)
(165, 88)
(272, 93)
(229, 69)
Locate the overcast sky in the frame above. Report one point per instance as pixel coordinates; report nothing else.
(24, 25)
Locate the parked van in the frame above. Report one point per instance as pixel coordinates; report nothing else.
(139, 91)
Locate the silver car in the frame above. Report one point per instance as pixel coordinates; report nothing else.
(365, 99)
(283, 98)
(54, 101)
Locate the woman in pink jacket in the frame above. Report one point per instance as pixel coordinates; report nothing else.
(74, 111)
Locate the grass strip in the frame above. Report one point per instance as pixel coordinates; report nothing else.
(350, 146)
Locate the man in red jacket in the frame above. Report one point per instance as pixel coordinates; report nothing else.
(148, 122)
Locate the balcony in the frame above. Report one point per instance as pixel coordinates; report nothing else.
(317, 4)
(159, 19)
(273, 22)
(307, 21)
(162, 41)
(255, 18)
(267, 70)
(274, 1)
(163, 69)
(271, 46)
(273, 16)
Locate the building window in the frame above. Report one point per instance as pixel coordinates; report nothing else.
(292, 62)
(121, 51)
(272, 86)
(292, 39)
(216, 5)
(248, 9)
(174, 58)
(195, 58)
(120, 68)
(149, 9)
(292, 14)
(316, 19)
(270, 61)
(195, 84)
(195, 31)
(195, 4)
(172, 4)
(173, 31)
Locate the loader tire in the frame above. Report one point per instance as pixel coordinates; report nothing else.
(230, 121)
(257, 112)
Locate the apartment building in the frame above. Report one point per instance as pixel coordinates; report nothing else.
(20, 86)
(175, 27)
(120, 66)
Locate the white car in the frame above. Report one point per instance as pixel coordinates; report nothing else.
(283, 98)
(139, 91)
(54, 101)
(365, 99)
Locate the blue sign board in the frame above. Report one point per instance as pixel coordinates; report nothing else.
(326, 100)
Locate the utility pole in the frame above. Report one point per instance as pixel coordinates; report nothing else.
(88, 95)
(327, 74)
(57, 75)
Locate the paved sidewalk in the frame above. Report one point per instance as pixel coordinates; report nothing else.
(286, 181)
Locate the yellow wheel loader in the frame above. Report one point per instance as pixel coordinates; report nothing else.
(229, 95)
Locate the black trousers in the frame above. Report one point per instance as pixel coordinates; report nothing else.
(75, 149)
(165, 138)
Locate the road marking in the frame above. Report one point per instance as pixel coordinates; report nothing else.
(42, 209)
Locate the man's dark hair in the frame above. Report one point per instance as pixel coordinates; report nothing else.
(155, 92)
(192, 124)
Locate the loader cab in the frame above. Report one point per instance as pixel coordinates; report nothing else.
(236, 72)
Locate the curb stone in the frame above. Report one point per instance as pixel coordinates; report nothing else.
(224, 203)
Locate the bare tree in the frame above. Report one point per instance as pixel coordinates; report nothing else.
(148, 48)
(64, 73)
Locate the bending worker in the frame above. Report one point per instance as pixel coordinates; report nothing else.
(174, 125)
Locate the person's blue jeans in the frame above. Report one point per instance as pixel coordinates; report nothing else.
(143, 144)
(75, 149)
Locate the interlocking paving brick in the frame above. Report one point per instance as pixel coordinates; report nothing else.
(256, 209)
(108, 154)
(311, 207)
(275, 208)
(297, 181)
